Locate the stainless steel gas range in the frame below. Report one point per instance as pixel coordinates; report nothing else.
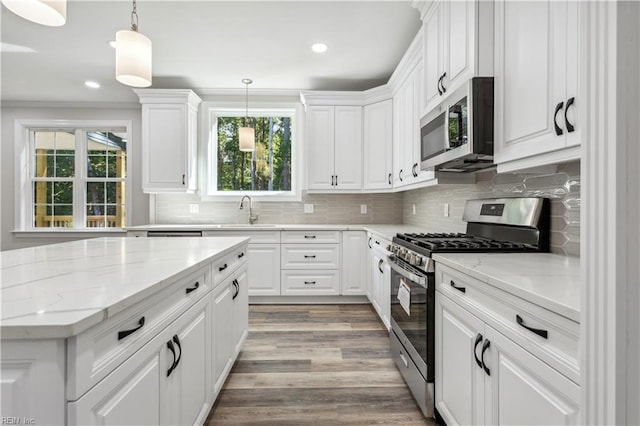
(493, 225)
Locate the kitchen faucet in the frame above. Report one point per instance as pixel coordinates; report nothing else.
(252, 218)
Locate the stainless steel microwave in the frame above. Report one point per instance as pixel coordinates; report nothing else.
(457, 135)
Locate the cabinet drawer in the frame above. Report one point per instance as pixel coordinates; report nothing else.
(310, 256)
(228, 264)
(501, 310)
(100, 349)
(310, 283)
(262, 237)
(311, 237)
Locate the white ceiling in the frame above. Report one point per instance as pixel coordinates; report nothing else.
(208, 45)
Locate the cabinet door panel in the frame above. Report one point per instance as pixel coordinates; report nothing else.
(165, 146)
(348, 147)
(433, 60)
(354, 259)
(320, 147)
(241, 310)
(524, 390)
(378, 147)
(529, 77)
(460, 42)
(223, 332)
(459, 380)
(264, 269)
(574, 46)
(194, 368)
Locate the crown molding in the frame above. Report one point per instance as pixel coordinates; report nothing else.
(411, 58)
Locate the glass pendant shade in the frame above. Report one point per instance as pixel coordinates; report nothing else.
(52, 13)
(247, 139)
(133, 59)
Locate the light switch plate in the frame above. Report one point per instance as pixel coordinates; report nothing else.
(194, 208)
(363, 209)
(414, 209)
(446, 210)
(308, 208)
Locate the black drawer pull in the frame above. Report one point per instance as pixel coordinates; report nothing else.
(485, 346)
(176, 340)
(475, 348)
(389, 178)
(309, 256)
(222, 268)
(369, 243)
(173, 364)
(462, 289)
(309, 282)
(539, 332)
(310, 236)
(125, 333)
(237, 286)
(194, 288)
(380, 262)
(241, 255)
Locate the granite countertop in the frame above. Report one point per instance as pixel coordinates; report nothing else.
(387, 231)
(60, 290)
(549, 280)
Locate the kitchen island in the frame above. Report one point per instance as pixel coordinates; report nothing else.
(120, 330)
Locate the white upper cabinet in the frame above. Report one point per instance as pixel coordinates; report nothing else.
(334, 147)
(458, 37)
(536, 93)
(378, 148)
(169, 140)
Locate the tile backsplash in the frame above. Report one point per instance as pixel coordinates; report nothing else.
(562, 187)
(327, 209)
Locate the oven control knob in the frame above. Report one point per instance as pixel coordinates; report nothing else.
(411, 258)
(419, 261)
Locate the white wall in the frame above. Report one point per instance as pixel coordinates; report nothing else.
(138, 212)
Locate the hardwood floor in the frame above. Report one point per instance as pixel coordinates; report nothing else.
(315, 364)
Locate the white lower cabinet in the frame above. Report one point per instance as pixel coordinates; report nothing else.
(264, 269)
(484, 377)
(354, 261)
(165, 382)
(380, 279)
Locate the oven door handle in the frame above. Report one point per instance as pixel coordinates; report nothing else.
(422, 281)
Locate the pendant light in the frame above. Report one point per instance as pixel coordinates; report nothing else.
(52, 13)
(133, 55)
(247, 135)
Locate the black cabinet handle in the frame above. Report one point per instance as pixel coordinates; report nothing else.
(415, 173)
(444, 89)
(125, 333)
(222, 268)
(241, 255)
(309, 256)
(237, 286)
(475, 349)
(333, 181)
(400, 175)
(462, 289)
(173, 364)
(309, 282)
(380, 266)
(194, 288)
(310, 237)
(485, 346)
(176, 340)
(569, 126)
(183, 177)
(369, 243)
(542, 333)
(555, 119)
(438, 85)
(336, 180)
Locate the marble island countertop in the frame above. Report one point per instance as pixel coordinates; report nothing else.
(60, 290)
(548, 280)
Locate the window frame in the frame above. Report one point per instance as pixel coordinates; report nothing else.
(24, 211)
(209, 165)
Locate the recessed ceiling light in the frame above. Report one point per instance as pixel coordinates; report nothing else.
(92, 84)
(112, 43)
(319, 47)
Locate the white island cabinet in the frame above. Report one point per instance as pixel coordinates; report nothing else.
(120, 330)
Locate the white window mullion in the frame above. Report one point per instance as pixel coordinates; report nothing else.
(79, 181)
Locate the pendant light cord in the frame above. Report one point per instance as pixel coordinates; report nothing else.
(246, 111)
(134, 17)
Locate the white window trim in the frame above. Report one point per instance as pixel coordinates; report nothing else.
(23, 194)
(209, 147)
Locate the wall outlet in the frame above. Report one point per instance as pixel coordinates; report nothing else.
(363, 209)
(308, 208)
(194, 208)
(446, 210)
(415, 210)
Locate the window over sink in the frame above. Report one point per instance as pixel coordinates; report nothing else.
(73, 175)
(269, 172)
